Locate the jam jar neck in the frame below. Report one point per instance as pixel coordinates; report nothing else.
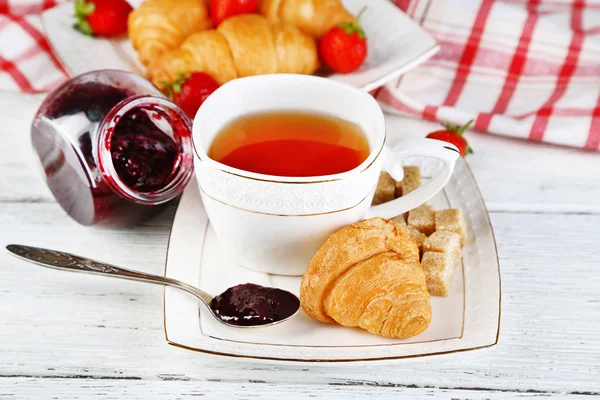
(121, 135)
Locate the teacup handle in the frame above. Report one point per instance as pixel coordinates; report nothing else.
(443, 151)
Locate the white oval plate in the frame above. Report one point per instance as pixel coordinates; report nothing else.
(396, 44)
(468, 319)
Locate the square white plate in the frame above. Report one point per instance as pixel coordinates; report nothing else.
(396, 44)
(467, 319)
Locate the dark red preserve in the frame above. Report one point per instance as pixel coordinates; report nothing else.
(254, 305)
(114, 151)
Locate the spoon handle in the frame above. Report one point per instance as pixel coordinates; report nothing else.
(70, 262)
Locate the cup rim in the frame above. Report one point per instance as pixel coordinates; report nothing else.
(201, 154)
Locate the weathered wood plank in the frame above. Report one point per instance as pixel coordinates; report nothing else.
(20, 179)
(66, 389)
(57, 324)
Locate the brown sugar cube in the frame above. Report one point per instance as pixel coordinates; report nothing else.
(398, 189)
(400, 219)
(418, 237)
(386, 189)
(452, 220)
(439, 269)
(444, 242)
(422, 218)
(412, 179)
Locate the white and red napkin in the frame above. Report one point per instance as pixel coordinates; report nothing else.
(526, 69)
(27, 64)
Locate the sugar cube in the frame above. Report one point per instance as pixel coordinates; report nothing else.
(439, 270)
(412, 179)
(400, 219)
(386, 189)
(418, 237)
(452, 220)
(422, 218)
(444, 242)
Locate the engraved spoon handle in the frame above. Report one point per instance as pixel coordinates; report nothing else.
(70, 262)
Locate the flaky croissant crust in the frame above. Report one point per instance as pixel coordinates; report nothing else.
(314, 17)
(243, 45)
(157, 26)
(368, 275)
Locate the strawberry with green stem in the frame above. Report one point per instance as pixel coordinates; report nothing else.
(454, 134)
(190, 90)
(102, 17)
(344, 47)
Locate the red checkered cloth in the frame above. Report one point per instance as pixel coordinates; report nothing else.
(527, 69)
(27, 63)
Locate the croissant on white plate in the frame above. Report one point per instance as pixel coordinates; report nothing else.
(314, 17)
(243, 45)
(368, 275)
(157, 26)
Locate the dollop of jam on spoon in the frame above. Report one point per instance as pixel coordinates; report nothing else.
(254, 305)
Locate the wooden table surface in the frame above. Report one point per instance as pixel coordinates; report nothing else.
(67, 336)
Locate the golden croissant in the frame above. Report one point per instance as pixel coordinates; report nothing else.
(243, 45)
(314, 17)
(160, 25)
(368, 275)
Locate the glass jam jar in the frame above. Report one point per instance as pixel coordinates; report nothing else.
(114, 151)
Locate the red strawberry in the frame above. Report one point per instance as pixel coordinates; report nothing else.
(454, 134)
(344, 47)
(101, 17)
(220, 10)
(190, 90)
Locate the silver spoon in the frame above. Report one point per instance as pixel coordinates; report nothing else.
(70, 262)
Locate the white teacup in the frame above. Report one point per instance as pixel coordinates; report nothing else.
(276, 224)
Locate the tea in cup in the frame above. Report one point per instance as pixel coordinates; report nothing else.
(283, 161)
(291, 143)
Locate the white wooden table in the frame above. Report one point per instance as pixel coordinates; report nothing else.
(67, 336)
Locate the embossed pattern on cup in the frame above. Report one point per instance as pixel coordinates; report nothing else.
(288, 199)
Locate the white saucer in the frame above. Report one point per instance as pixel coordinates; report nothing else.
(466, 320)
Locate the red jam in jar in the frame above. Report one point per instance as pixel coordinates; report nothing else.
(113, 150)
